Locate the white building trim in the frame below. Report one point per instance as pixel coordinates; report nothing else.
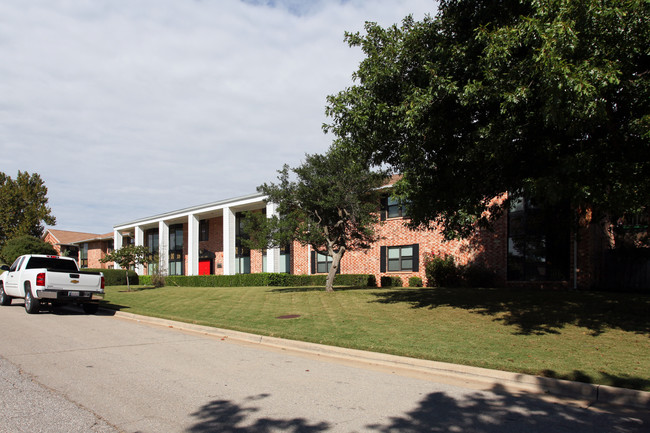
(192, 245)
(118, 239)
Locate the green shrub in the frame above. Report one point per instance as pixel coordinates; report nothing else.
(155, 280)
(443, 272)
(415, 282)
(26, 244)
(387, 281)
(158, 280)
(117, 277)
(475, 275)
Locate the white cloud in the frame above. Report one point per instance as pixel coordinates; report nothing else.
(128, 109)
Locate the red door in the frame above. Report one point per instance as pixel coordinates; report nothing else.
(204, 267)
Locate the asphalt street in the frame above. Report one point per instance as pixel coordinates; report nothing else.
(66, 371)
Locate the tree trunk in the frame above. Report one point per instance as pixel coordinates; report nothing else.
(336, 262)
(128, 285)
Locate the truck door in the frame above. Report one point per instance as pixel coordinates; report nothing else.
(12, 278)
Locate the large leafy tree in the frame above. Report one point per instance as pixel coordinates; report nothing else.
(550, 98)
(25, 244)
(23, 206)
(332, 205)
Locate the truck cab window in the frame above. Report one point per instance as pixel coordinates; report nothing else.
(16, 264)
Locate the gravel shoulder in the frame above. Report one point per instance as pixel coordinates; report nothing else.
(28, 406)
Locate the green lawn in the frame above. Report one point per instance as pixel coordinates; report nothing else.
(587, 336)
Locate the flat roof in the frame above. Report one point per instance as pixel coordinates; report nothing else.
(193, 209)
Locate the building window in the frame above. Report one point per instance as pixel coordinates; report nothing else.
(538, 242)
(285, 260)
(70, 251)
(176, 258)
(152, 243)
(242, 252)
(323, 263)
(402, 258)
(393, 208)
(204, 230)
(83, 256)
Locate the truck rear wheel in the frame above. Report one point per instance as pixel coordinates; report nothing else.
(4, 299)
(32, 305)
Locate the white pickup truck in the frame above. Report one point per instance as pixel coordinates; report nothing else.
(41, 279)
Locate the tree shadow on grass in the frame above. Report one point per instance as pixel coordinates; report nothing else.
(536, 311)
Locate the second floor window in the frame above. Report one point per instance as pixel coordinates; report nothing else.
(204, 230)
(392, 207)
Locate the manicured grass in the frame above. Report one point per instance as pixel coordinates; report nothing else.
(587, 336)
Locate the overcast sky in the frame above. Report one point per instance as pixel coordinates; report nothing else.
(131, 108)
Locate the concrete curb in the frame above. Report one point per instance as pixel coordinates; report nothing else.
(478, 377)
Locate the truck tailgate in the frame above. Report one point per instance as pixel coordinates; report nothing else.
(66, 280)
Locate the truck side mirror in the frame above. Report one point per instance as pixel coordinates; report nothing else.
(4, 268)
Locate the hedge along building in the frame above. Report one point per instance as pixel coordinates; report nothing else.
(527, 246)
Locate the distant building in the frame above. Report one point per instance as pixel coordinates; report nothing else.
(87, 248)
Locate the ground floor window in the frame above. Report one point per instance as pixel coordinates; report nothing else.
(242, 252)
(175, 267)
(321, 263)
(70, 251)
(400, 258)
(538, 242)
(152, 244)
(83, 256)
(243, 263)
(284, 263)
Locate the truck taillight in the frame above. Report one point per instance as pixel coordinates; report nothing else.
(40, 279)
(103, 282)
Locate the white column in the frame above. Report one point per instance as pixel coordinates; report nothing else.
(139, 241)
(117, 244)
(228, 241)
(163, 247)
(192, 245)
(272, 254)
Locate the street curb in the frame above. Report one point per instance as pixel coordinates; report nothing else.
(483, 377)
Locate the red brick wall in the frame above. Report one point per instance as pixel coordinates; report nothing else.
(300, 262)
(94, 255)
(393, 232)
(51, 240)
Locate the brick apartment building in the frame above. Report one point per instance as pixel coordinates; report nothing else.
(525, 247)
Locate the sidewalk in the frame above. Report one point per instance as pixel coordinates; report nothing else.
(461, 375)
